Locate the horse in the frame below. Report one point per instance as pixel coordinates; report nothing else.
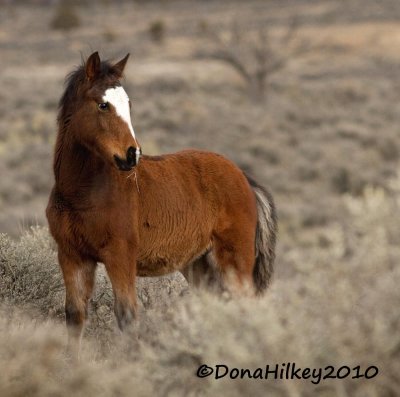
(192, 211)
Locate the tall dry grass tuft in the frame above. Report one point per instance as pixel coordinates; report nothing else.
(339, 307)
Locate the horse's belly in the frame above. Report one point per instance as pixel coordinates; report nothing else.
(160, 256)
(156, 267)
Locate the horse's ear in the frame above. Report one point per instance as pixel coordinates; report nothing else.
(120, 66)
(92, 66)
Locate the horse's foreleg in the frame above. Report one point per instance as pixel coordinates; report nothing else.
(79, 278)
(121, 268)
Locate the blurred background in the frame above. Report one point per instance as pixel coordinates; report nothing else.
(302, 94)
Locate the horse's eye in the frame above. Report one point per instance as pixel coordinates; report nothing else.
(103, 106)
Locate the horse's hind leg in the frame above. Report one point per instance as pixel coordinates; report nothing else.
(234, 254)
(202, 273)
(79, 275)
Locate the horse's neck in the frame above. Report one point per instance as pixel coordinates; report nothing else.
(76, 170)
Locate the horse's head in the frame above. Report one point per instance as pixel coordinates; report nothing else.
(99, 109)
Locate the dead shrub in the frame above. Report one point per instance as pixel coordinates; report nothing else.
(388, 149)
(66, 16)
(157, 30)
(256, 55)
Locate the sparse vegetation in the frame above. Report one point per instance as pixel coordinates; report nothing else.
(322, 316)
(389, 149)
(66, 16)
(157, 31)
(323, 141)
(256, 55)
(341, 181)
(109, 35)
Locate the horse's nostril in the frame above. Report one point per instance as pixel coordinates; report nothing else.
(131, 151)
(127, 163)
(130, 156)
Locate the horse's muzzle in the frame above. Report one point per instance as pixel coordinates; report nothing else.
(132, 159)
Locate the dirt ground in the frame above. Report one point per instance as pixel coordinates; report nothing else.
(323, 138)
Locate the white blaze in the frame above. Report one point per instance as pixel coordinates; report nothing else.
(120, 100)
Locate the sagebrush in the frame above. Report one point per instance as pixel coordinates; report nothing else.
(340, 307)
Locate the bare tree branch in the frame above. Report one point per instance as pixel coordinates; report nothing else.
(256, 56)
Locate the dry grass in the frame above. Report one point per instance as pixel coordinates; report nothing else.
(325, 141)
(339, 308)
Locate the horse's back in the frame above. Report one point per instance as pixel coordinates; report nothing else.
(200, 179)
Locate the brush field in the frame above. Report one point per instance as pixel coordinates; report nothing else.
(323, 136)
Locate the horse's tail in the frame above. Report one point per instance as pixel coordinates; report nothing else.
(265, 237)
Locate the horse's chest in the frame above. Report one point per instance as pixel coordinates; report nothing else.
(91, 232)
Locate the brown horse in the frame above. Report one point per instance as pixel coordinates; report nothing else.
(192, 211)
